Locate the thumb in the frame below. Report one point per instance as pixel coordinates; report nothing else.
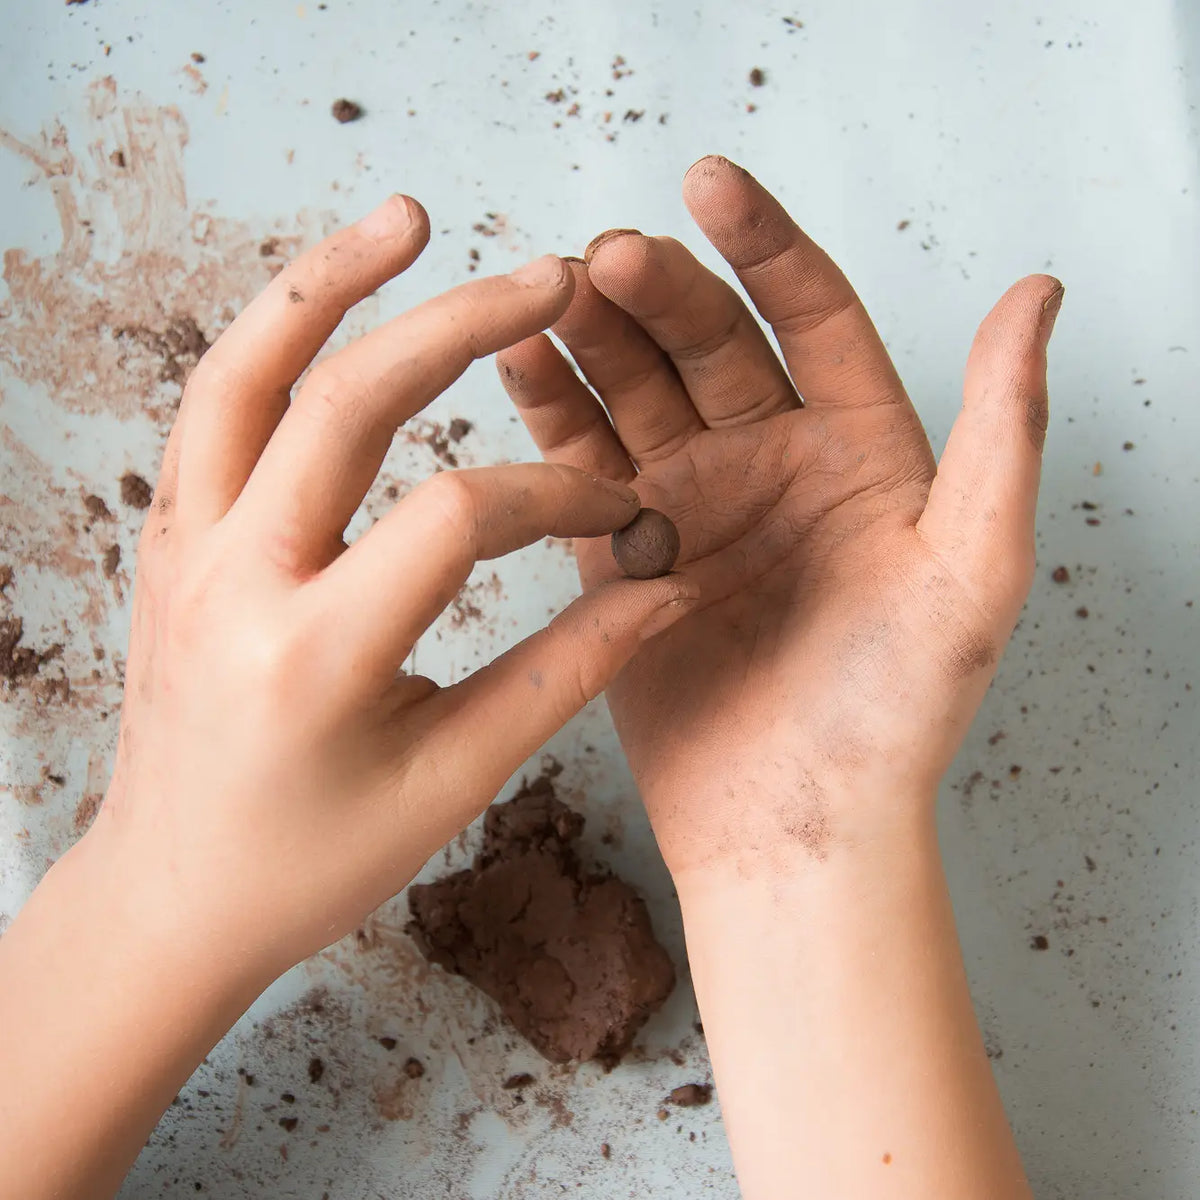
(501, 714)
(983, 501)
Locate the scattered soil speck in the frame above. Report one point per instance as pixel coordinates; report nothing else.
(1039, 942)
(344, 110)
(135, 491)
(690, 1095)
(758, 77)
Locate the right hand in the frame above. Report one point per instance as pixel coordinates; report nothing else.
(277, 775)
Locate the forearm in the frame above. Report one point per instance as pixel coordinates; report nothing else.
(107, 1005)
(844, 1045)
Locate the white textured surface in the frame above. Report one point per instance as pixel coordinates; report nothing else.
(1013, 137)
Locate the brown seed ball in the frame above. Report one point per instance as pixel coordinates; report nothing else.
(648, 546)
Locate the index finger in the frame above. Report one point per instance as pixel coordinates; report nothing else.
(241, 387)
(394, 581)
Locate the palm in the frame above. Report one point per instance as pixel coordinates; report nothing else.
(849, 596)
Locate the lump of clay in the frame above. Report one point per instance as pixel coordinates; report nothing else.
(569, 955)
(648, 546)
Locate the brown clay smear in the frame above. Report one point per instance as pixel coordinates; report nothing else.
(113, 320)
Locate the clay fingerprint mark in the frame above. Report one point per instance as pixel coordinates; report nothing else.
(142, 282)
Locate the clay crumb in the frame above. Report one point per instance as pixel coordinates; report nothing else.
(388, 1043)
(1082, 613)
(6, 577)
(690, 1095)
(178, 346)
(97, 509)
(1061, 575)
(135, 491)
(197, 57)
(86, 810)
(758, 77)
(513, 1082)
(289, 1123)
(414, 1068)
(344, 110)
(458, 429)
(117, 158)
(316, 1069)
(1039, 942)
(111, 561)
(19, 662)
(605, 1150)
(903, 225)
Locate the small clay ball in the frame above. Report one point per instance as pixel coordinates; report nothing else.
(648, 546)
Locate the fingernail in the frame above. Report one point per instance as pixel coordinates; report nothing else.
(1050, 311)
(607, 236)
(546, 271)
(666, 616)
(625, 494)
(389, 219)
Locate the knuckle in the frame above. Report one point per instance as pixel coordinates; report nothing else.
(454, 501)
(335, 392)
(582, 677)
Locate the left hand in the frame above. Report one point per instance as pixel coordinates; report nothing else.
(855, 596)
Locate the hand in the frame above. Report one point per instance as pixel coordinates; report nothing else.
(855, 595)
(274, 761)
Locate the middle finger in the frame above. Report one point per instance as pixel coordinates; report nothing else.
(720, 352)
(331, 443)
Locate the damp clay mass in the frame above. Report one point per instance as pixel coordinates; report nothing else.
(648, 546)
(567, 953)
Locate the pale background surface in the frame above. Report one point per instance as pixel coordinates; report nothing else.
(1012, 137)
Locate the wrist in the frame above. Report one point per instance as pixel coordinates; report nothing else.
(768, 837)
(150, 910)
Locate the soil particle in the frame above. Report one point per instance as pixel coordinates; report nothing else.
(569, 955)
(86, 810)
(316, 1068)
(388, 1043)
(344, 110)
(690, 1095)
(514, 1082)
(1061, 575)
(414, 1068)
(648, 546)
(178, 346)
(1039, 942)
(135, 491)
(111, 561)
(97, 509)
(458, 429)
(19, 662)
(758, 77)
